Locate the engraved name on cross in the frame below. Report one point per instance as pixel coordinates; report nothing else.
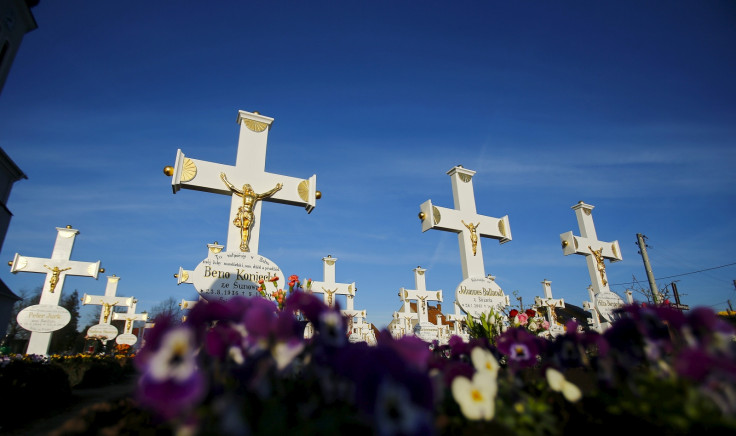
(328, 286)
(588, 245)
(247, 182)
(421, 295)
(56, 269)
(464, 221)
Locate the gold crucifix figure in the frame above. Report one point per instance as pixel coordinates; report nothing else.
(601, 266)
(55, 273)
(329, 295)
(473, 234)
(107, 307)
(244, 218)
(424, 304)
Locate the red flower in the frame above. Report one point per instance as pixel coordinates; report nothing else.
(274, 279)
(293, 278)
(530, 313)
(260, 282)
(513, 313)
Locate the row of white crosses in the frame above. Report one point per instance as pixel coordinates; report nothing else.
(329, 288)
(105, 330)
(469, 225)
(56, 268)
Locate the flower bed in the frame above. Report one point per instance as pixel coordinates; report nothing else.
(243, 367)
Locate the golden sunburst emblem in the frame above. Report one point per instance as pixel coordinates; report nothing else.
(189, 170)
(303, 190)
(255, 126)
(436, 214)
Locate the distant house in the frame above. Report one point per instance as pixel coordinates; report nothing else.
(16, 20)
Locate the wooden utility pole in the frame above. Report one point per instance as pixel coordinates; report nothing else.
(650, 276)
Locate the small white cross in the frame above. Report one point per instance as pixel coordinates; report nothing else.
(328, 286)
(421, 295)
(109, 300)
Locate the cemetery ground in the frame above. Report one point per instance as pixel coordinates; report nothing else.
(64, 417)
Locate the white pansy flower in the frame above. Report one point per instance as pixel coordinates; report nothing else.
(484, 361)
(558, 383)
(175, 358)
(476, 397)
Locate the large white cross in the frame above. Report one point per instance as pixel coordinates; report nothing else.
(588, 245)
(328, 286)
(56, 268)
(551, 304)
(464, 221)
(130, 317)
(109, 300)
(421, 295)
(249, 169)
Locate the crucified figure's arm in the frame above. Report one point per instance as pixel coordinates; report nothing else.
(230, 185)
(276, 189)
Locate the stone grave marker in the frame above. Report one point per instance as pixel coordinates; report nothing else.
(595, 252)
(130, 317)
(236, 271)
(458, 317)
(551, 304)
(477, 293)
(328, 286)
(423, 328)
(46, 317)
(104, 330)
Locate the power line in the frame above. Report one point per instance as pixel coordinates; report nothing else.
(683, 274)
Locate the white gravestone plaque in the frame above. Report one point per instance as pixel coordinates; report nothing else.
(476, 295)
(606, 303)
(103, 332)
(126, 339)
(43, 318)
(225, 275)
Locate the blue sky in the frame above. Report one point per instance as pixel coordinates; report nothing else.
(628, 106)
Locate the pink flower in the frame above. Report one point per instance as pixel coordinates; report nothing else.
(523, 318)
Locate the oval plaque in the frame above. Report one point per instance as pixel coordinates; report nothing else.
(477, 295)
(607, 303)
(225, 275)
(427, 332)
(126, 339)
(43, 318)
(104, 332)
